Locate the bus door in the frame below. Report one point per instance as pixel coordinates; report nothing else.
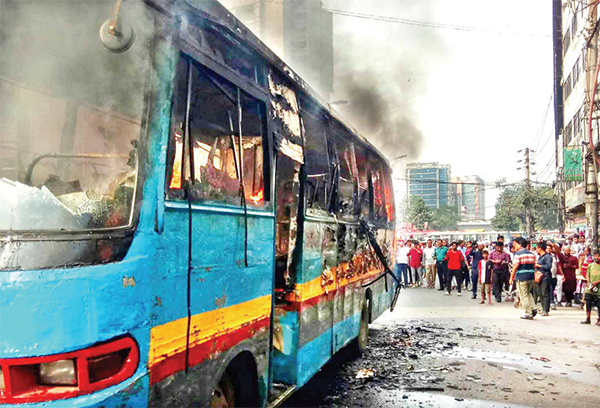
(217, 182)
(347, 302)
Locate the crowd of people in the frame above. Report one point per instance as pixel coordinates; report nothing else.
(538, 276)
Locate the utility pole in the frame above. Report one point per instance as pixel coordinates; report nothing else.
(557, 38)
(591, 186)
(528, 194)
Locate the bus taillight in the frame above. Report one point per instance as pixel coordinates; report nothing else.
(67, 375)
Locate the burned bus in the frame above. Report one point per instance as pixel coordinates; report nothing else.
(183, 221)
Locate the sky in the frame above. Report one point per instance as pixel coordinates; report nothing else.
(469, 97)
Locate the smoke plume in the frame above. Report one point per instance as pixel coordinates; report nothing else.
(382, 71)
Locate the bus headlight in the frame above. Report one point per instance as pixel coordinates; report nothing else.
(61, 372)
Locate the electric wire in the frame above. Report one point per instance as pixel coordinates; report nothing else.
(540, 131)
(420, 23)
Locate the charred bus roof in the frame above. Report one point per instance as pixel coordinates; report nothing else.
(221, 19)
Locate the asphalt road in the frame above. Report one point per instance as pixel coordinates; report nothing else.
(440, 351)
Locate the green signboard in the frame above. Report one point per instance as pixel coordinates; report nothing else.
(573, 168)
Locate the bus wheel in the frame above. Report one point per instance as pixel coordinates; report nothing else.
(362, 341)
(223, 395)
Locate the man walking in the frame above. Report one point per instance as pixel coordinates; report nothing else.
(429, 262)
(475, 256)
(592, 294)
(544, 264)
(500, 261)
(569, 266)
(440, 255)
(523, 273)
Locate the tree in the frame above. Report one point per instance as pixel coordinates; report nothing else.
(510, 207)
(445, 218)
(417, 213)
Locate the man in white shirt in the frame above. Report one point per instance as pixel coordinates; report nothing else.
(580, 246)
(429, 262)
(401, 268)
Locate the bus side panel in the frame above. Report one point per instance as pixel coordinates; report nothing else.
(349, 301)
(230, 306)
(169, 290)
(382, 298)
(285, 344)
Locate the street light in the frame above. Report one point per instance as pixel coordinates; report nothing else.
(340, 102)
(399, 157)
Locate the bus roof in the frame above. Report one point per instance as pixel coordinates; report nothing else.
(222, 18)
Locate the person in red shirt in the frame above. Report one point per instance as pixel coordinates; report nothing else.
(415, 262)
(569, 266)
(455, 262)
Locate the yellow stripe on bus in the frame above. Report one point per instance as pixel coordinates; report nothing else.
(170, 338)
(315, 287)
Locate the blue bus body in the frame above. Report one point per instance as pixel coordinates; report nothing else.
(232, 268)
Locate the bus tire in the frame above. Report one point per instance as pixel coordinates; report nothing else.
(359, 345)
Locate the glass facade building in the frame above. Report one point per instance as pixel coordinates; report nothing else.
(430, 181)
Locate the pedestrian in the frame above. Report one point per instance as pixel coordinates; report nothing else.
(544, 264)
(475, 256)
(585, 259)
(402, 261)
(592, 294)
(580, 246)
(522, 273)
(467, 270)
(569, 266)
(485, 276)
(455, 260)
(500, 260)
(463, 269)
(415, 262)
(560, 275)
(429, 262)
(554, 272)
(440, 256)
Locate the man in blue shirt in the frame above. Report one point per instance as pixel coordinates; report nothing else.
(544, 264)
(440, 264)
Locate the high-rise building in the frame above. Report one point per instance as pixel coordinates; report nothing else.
(470, 197)
(430, 181)
(299, 31)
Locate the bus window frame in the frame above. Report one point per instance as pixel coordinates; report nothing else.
(336, 129)
(308, 106)
(184, 45)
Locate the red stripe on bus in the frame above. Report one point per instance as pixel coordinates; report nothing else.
(308, 303)
(205, 350)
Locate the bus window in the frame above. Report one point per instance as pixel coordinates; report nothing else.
(175, 181)
(215, 128)
(380, 203)
(379, 214)
(364, 195)
(70, 116)
(347, 172)
(390, 210)
(318, 179)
